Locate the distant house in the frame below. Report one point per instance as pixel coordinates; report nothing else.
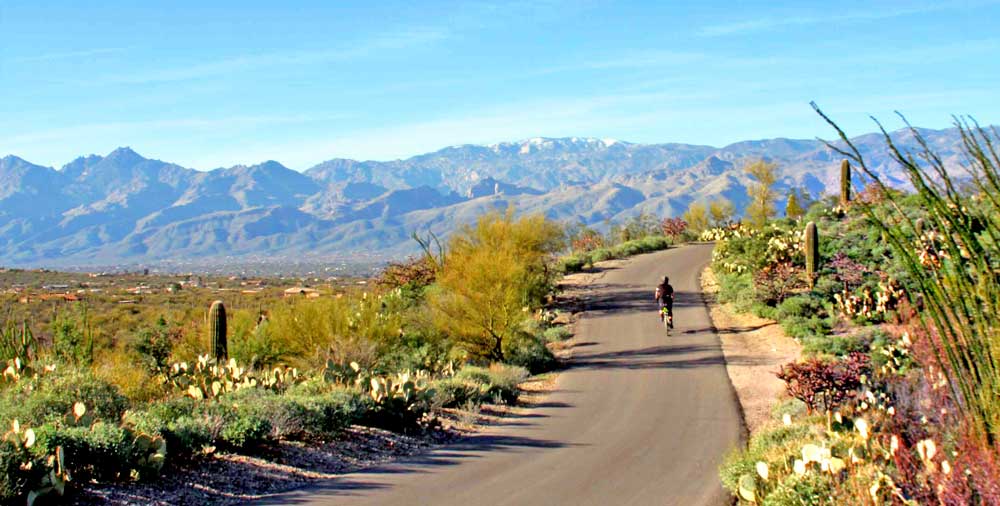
(301, 291)
(67, 297)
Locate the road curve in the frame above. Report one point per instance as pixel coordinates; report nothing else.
(638, 417)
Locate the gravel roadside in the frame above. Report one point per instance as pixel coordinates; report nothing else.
(755, 348)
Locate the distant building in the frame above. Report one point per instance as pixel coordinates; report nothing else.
(300, 291)
(67, 297)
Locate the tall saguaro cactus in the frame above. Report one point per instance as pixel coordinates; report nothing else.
(812, 252)
(845, 182)
(217, 330)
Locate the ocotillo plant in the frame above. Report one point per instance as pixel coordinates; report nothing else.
(960, 293)
(217, 330)
(845, 182)
(812, 252)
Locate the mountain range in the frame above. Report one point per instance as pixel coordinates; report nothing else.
(123, 208)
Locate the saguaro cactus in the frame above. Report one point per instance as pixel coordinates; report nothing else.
(812, 252)
(845, 182)
(217, 330)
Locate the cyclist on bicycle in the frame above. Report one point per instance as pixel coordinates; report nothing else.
(665, 298)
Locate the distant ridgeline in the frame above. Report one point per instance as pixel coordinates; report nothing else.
(126, 208)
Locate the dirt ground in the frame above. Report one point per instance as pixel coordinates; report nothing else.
(755, 348)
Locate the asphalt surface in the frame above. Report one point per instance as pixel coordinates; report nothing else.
(639, 417)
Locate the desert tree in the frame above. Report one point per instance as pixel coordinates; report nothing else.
(761, 192)
(494, 271)
(721, 211)
(696, 217)
(793, 208)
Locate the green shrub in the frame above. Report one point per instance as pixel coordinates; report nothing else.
(331, 412)
(474, 374)
(884, 349)
(838, 346)
(72, 339)
(395, 413)
(256, 346)
(811, 488)
(773, 446)
(52, 396)
(791, 407)
(826, 287)
(14, 479)
(557, 333)
(529, 352)
(153, 345)
(245, 430)
(500, 381)
(477, 385)
(188, 435)
(504, 381)
(779, 437)
(736, 289)
(764, 311)
(801, 305)
(102, 452)
(801, 327)
(292, 415)
(600, 255)
(455, 392)
(574, 263)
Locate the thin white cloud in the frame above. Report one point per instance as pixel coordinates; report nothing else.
(387, 41)
(178, 125)
(774, 22)
(631, 59)
(557, 117)
(68, 55)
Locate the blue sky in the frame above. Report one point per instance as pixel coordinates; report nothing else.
(303, 82)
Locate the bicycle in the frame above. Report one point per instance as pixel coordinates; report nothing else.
(667, 317)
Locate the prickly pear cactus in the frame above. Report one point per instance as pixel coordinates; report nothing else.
(845, 182)
(812, 252)
(748, 488)
(217, 331)
(150, 453)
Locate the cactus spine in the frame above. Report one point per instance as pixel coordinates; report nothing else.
(217, 330)
(845, 183)
(812, 253)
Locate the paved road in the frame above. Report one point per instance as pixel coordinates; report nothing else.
(639, 418)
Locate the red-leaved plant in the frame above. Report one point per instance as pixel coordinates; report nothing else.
(673, 227)
(825, 384)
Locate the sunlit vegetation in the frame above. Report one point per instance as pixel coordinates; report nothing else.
(641, 234)
(763, 196)
(896, 400)
(128, 382)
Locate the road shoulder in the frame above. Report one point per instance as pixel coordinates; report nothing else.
(755, 348)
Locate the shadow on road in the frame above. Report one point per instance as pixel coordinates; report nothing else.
(730, 330)
(655, 357)
(470, 447)
(634, 299)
